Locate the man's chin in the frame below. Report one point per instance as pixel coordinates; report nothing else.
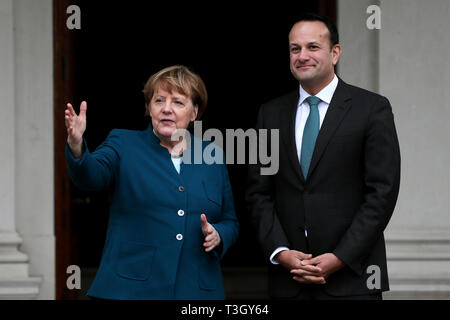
(304, 78)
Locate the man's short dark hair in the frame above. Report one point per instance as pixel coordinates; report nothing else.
(334, 35)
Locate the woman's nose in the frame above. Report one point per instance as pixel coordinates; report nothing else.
(166, 107)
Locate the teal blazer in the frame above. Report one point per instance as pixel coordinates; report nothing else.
(154, 242)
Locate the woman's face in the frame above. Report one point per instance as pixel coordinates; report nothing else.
(171, 111)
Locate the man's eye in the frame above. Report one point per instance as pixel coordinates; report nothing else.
(294, 50)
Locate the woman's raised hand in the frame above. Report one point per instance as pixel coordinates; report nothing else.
(76, 125)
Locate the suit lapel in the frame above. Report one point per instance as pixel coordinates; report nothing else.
(339, 105)
(288, 133)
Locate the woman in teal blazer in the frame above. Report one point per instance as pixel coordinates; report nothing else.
(170, 222)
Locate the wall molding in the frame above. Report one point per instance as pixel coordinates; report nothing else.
(418, 264)
(418, 245)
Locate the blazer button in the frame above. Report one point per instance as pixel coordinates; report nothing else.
(181, 188)
(179, 237)
(180, 213)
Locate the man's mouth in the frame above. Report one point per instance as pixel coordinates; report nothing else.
(305, 66)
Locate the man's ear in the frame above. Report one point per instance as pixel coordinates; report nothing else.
(336, 52)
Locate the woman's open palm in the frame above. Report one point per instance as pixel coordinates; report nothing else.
(75, 124)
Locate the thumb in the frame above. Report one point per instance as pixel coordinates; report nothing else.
(83, 109)
(310, 261)
(204, 221)
(303, 256)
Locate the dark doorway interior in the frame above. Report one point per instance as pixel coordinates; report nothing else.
(240, 52)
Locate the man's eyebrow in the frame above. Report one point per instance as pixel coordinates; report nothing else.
(316, 43)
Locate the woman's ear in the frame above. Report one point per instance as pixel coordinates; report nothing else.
(195, 113)
(149, 109)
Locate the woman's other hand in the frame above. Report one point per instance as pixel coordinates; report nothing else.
(212, 237)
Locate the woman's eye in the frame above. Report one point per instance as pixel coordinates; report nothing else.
(179, 103)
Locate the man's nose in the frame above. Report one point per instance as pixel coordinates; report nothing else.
(303, 56)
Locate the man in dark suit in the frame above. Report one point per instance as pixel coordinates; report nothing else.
(320, 218)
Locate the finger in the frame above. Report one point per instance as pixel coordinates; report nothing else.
(70, 108)
(83, 108)
(300, 279)
(308, 281)
(68, 115)
(313, 279)
(310, 268)
(300, 272)
(210, 237)
(67, 122)
(315, 260)
(204, 221)
(303, 256)
(208, 249)
(209, 244)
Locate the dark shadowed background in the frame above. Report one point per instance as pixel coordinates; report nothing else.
(240, 52)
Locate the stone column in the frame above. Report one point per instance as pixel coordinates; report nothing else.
(34, 206)
(407, 61)
(415, 74)
(15, 282)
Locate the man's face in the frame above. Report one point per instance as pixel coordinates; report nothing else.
(312, 60)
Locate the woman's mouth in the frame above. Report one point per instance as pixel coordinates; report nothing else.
(167, 122)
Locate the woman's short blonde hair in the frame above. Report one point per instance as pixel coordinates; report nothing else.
(180, 79)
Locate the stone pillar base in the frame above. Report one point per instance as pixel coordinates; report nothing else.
(15, 282)
(419, 265)
(19, 289)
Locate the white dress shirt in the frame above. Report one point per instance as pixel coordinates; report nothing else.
(325, 95)
(176, 163)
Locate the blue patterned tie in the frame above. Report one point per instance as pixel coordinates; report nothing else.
(310, 133)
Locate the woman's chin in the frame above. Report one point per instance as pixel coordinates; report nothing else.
(166, 133)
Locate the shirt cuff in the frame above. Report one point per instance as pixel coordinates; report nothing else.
(279, 249)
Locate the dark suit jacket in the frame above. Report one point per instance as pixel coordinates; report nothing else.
(347, 199)
(145, 256)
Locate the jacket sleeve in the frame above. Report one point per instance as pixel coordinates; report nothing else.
(260, 203)
(95, 171)
(228, 225)
(382, 181)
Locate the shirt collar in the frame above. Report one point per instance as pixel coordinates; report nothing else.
(326, 94)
